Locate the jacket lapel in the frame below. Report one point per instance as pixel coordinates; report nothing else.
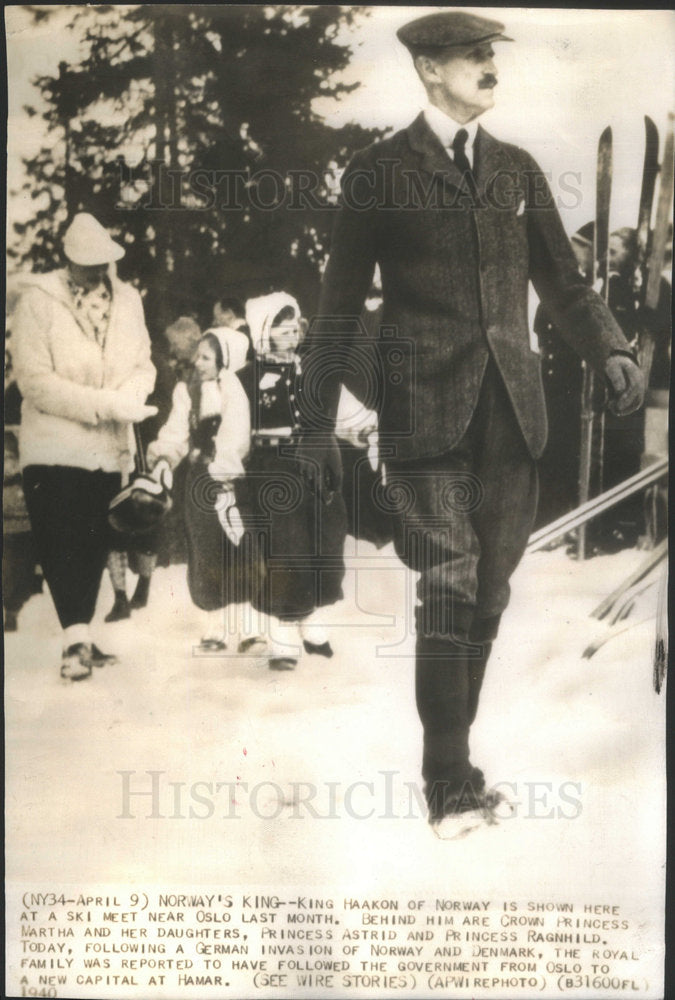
(433, 158)
(489, 158)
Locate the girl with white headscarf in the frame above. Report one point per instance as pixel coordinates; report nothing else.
(209, 419)
(300, 545)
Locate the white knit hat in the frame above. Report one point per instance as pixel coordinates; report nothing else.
(87, 243)
(260, 315)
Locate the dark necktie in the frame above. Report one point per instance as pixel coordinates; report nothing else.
(462, 160)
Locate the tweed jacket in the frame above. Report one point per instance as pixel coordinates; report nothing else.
(455, 272)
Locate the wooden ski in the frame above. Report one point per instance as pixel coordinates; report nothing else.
(645, 567)
(625, 605)
(611, 633)
(592, 421)
(650, 170)
(662, 221)
(543, 537)
(654, 267)
(661, 641)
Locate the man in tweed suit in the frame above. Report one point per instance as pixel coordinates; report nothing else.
(459, 223)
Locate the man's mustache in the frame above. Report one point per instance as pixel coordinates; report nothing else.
(487, 82)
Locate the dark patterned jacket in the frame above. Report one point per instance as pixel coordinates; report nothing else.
(455, 283)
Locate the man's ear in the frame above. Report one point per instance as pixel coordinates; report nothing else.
(426, 68)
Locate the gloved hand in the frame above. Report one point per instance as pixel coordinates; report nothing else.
(627, 384)
(229, 515)
(320, 464)
(162, 473)
(124, 407)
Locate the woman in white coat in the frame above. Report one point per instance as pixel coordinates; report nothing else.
(82, 360)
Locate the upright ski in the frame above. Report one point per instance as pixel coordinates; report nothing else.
(649, 174)
(650, 170)
(662, 221)
(592, 417)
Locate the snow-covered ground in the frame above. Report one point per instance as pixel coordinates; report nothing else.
(591, 731)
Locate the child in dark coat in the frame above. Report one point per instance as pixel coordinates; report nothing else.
(299, 541)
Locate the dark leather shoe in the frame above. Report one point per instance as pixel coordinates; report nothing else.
(459, 813)
(212, 646)
(322, 649)
(448, 797)
(100, 659)
(76, 662)
(120, 608)
(141, 593)
(282, 663)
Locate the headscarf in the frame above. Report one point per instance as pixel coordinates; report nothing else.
(234, 346)
(260, 314)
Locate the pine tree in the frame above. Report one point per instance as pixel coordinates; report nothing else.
(189, 132)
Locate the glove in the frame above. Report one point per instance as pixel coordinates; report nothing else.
(162, 474)
(627, 384)
(320, 464)
(115, 404)
(229, 516)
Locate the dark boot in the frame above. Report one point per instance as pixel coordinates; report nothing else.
(140, 598)
(481, 635)
(476, 667)
(11, 621)
(120, 608)
(442, 696)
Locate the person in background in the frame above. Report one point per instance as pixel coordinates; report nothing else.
(83, 366)
(20, 579)
(649, 333)
(210, 400)
(229, 322)
(562, 380)
(174, 363)
(302, 553)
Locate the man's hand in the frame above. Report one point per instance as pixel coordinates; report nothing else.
(320, 464)
(627, 384)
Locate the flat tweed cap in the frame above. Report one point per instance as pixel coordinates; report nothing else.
(450, 28)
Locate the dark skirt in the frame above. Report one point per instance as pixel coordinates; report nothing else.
(300, 540)
(361, 484)
(219, 572)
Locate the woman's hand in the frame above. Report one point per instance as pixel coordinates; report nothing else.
(125, 408)
(162, 474)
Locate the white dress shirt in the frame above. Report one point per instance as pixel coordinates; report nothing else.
(446, 128)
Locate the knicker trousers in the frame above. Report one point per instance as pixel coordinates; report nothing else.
(464, 522)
